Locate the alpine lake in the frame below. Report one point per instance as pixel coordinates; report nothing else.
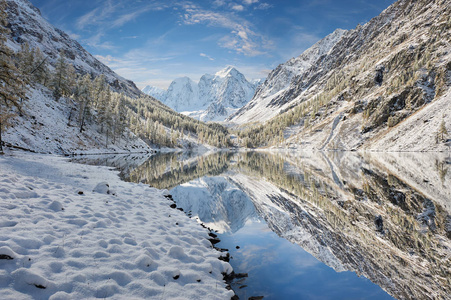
(315, 225)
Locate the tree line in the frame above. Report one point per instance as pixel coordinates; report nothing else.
(91, 100)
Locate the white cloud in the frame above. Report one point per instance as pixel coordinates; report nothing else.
(264, 6)
(206, 56)
(95, 42)
(241, 39)
(219, 2)
(238, 7)
(249, 2)
(97, 15)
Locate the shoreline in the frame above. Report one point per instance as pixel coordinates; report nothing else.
(78, 231)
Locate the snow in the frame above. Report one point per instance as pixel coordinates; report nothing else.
(213, 99)
(182, 94)
(44, 128)
(27, 24)
(280, 80)
(419, 131)
(71, 237)
(155, 92)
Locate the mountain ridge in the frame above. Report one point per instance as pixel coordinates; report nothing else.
(212, 99)
(375, 77)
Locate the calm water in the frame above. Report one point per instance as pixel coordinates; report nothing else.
(317, 225)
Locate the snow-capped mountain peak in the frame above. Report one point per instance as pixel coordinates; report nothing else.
(229, 71)
(213, 99)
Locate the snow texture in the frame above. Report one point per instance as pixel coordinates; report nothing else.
(213, 99)
(67, 241)
(279, 80)
(45, 128)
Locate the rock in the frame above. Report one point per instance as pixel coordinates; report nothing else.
(379, 223)
(6, 256)
(379, 76)
(214, 241)
(225, 258)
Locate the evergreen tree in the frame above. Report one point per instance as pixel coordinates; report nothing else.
(98, 86)
(103, 108)
(64, 78)
(12, 87)
(121, 117)
(83, 97)
(442, 132)
(40, 72)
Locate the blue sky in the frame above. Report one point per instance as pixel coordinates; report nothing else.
(155, 41)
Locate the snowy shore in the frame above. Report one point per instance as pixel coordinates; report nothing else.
(65, 234)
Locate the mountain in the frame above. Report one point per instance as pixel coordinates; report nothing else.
(213, 99)
(154, 92)
(279, 80)
(27, 25)
(382, 86)
(80, 119)
(182, 95)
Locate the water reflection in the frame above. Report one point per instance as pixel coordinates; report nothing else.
(386, 217)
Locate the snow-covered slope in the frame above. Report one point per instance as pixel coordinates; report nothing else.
(213, 99)
(155, 92)
(371, 90)
(27, 25)
(267, 100)
(182, 95)
(46, 128)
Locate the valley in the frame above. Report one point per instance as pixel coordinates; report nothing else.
(329, 169)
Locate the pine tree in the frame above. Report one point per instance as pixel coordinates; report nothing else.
(12, 87)
(41, 71)
(63, 80)
(103, 108)
(442, 132)
(26, 61)
(83, 97)
(99, 85)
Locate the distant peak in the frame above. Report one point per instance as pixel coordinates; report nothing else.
(226, 71)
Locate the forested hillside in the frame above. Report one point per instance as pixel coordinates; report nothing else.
(383, 83)
(94, 105)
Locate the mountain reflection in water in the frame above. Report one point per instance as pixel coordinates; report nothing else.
(384, 216)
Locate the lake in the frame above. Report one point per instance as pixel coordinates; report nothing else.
(316, 225)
